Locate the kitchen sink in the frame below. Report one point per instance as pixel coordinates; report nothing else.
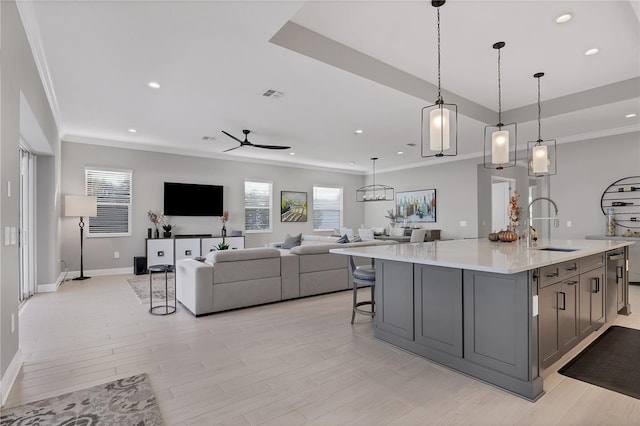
(564, 249)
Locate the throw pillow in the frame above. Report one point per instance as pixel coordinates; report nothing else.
(356, 240)
(292, 241)
(343, 240)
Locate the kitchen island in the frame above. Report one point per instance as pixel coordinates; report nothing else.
(493, 311)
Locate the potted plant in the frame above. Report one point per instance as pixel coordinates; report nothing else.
(222, 246)
(167, 229)
(392, 217)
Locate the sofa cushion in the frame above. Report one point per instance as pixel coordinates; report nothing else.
(315, 248)
(292, 241)
(219, 256)
(253, 269)
(343, 240)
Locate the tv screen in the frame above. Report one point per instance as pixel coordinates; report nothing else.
(188, 199)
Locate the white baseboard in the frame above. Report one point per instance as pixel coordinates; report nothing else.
(48, 288)
(99, 272)
(10, 376)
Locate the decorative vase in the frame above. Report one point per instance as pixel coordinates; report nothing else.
(224, 230)
(167, 234)
(149, 233)
(157, 234)
(494, 236)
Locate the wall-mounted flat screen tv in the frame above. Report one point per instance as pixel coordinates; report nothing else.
(189, 199)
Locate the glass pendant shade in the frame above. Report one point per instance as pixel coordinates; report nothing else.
(501, 140)
(439, 123)
(541, 153)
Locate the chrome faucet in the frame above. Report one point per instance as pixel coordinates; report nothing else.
(556, 221)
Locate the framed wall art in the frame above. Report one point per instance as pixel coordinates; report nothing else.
(416, 206)
(293, 206)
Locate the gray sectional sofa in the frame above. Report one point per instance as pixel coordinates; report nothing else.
(233, 279)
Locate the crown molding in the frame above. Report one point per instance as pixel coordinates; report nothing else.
(29, 22)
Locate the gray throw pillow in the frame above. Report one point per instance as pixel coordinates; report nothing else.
(292, 241)
(356, 240)
(343, 240)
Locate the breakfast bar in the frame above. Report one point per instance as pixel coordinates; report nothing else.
(494, 311)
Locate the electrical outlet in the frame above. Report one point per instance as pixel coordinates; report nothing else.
(116, 255)
(569, 224)
(463, 223)
(14, 236)
(7, 235)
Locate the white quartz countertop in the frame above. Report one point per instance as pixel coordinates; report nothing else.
(484, 255)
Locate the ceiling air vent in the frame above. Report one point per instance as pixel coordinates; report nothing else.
(208, 138)
(273, 94)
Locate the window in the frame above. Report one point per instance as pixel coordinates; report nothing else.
(257, 206)
(327, 208)
(113, 191)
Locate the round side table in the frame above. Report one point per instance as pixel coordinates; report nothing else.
(168, 309)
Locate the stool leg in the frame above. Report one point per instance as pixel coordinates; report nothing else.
(373, 301)
(355, 299)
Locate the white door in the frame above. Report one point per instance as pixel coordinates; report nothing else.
(501, 189)
(27, 225)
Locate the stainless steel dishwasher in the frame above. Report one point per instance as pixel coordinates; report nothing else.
(616, 277)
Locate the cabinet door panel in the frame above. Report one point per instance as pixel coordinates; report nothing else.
(160, 252)
(187, 248)
(394, 298)
(548, 324)
(568, 316)
(438, 308)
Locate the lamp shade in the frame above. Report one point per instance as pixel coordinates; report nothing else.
(80, 206)
(439, 129)
(500, 147)
(540, 161)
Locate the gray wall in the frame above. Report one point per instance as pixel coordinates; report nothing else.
(47, 267)
(456, 196)
(19, 74)
(151, 170)
(585, 170)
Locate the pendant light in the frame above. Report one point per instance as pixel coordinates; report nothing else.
(541, 153)
(374, 192)
(500, 141)
(439, 121)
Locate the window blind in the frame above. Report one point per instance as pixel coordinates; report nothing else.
(257, 206)
(113, 192)
(327, 208)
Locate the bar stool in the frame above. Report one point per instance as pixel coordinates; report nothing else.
(363, 276)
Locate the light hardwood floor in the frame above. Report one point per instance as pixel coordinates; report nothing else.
(298, 362)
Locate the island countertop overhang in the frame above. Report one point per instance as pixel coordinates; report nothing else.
(484, 255)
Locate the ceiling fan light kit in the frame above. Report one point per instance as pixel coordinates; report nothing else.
(541, 153)
(500, 140)
(374, 192)
(439, 122)
(246, 142)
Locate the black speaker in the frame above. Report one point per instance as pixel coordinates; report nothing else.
(140, 265)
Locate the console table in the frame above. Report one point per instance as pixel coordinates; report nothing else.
(167, 251)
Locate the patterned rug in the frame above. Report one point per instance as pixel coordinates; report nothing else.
(140, 286)
(128, 401)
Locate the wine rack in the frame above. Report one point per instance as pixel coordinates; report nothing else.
(623, 196)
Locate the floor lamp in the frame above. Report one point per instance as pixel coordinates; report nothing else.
(80, 206)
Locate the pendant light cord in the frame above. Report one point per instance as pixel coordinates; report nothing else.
(499, 93)
(439, 91)
(539, 113)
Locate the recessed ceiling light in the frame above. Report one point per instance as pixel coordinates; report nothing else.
(564, 18)
(633, 114)
(154, 84)
(133, 131)
(359, 132)
(591, 52)
(411, 144)
(400, 152)
(351, 163)
(292, 153)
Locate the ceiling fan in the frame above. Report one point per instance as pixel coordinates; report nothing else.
(246, 142)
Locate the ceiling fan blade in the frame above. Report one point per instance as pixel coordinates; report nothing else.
(231, 149)
(271, 146)
(231, 136)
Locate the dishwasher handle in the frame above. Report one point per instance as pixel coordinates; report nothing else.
(616, 256)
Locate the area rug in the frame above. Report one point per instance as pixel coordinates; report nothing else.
(140, 286)
(128, 401)
(610, 361)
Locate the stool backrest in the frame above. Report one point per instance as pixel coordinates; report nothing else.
(417, 235)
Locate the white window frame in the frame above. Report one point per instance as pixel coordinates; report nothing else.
(341, 205)
(129, 205)
(258, 231)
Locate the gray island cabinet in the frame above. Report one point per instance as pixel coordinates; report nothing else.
(494, 311)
